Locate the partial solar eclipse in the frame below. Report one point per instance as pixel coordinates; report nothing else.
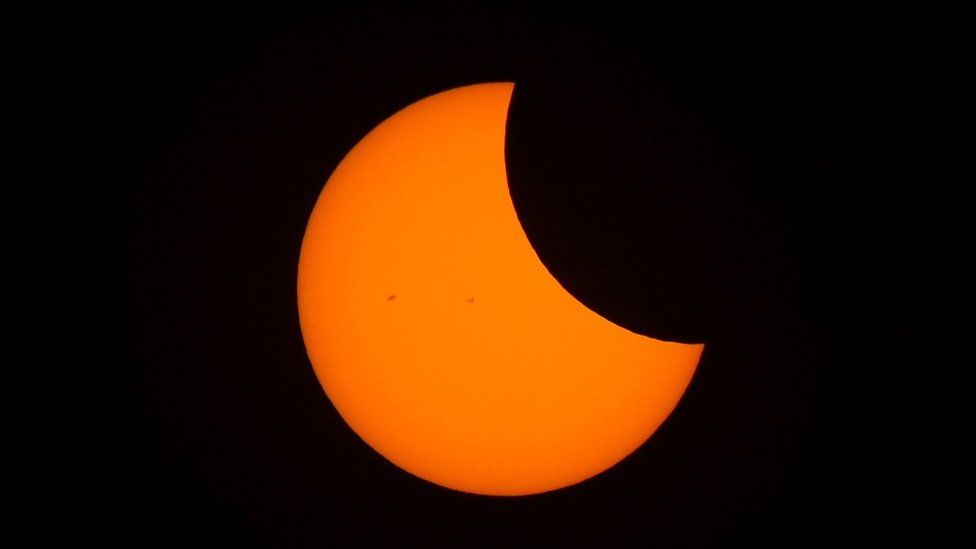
(439, 335)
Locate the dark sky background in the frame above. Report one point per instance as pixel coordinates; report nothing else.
(746, 177)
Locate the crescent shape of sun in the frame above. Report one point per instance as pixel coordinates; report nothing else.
(440, 336)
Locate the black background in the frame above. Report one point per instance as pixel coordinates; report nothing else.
(746, 177)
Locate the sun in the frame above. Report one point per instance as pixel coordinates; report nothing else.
(439, 335)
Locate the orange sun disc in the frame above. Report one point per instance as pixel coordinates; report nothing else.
(439, 335)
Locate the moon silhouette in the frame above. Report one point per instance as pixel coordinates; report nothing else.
(439, 335)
